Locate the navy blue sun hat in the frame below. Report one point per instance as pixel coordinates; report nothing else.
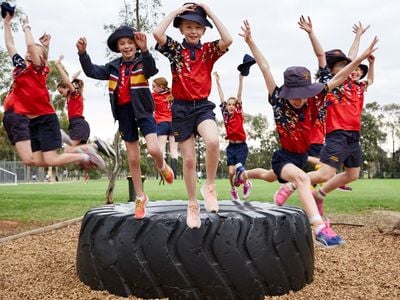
(244, 68)
(120, 32)
(335, 55)
(6, 7)
(297, 84)
(364, 69)
(198, 15)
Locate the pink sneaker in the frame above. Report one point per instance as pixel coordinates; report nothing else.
(140, 207)
(210, 197)
(234, 194)
(282, 194)
(247, 189)
(193, 215)
(319, 201)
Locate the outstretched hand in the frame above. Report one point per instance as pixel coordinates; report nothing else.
(246, 31)
(58, 61)
(304, 24)
(216, 75)
(358, 29)
(370, 50)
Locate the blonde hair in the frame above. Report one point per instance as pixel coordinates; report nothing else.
(162, 82)
(232, 98)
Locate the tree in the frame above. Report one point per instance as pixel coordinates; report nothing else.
(392, 123)
(372, 135)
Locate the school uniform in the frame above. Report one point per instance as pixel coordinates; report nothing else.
(191, 67)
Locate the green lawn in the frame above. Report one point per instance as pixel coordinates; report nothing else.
(49, 203)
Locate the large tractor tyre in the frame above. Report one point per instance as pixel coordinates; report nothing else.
(245, 251)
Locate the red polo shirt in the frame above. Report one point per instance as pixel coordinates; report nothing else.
(75, 104)
(191, 74)
(29, 92)
(344, 106)
(233, 123)
(162, 107)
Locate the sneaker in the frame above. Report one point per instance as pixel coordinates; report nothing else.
(327, 238)
(344, 188)
(193, 215)
(167, 174)
(101, 147)
(282, 194)
(65, 138)
(140, 207)
(247, 189)
(234, 194)
(239, 169)
(319, 201)
(94, 158)
(210, 197)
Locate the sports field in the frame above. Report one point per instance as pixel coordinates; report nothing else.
(43, 203)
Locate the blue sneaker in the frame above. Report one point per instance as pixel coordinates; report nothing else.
(239, 169)
(328, 239)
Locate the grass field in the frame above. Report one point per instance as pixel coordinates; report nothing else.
(53, 202)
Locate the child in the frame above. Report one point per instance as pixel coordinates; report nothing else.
(343, 119)
(29, 97)
(237, 149)
(192, 112)
(295, 106)
(163, 115)
(343, 125)
(131, 101)
(79, 129)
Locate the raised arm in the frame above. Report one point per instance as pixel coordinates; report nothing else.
(8, 36)
(226, 38)
(260, 59)
(159, 32)
(306, 25)
(33, 50)
(240, 89)
(371, 69)
(64, 75)
(359, 30)
(345, 72)
(219, 88)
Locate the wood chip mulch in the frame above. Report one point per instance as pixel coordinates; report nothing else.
(368, 267)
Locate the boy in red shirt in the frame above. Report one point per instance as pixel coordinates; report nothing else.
(192, 112)
(296, 105)
(237, 150)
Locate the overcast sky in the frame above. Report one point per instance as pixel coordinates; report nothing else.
(274, 27)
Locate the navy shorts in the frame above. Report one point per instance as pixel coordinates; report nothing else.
(79, 130)
(128, 125)
(187, 115)
(342, 147)
(281, 157)
(237, 153)
(164, 128)
(45, 133)
(16, 126)
(315, 150)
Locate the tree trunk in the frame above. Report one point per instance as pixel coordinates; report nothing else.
(116, 169)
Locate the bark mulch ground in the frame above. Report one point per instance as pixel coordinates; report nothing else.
(43, 266)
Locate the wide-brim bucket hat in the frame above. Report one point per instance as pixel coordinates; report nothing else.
(335, 55)
(244, 68)
(298, 85)
(364, 69)
(198, 15)
(120, 32)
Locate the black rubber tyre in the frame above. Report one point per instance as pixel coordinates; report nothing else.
(246, 251)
